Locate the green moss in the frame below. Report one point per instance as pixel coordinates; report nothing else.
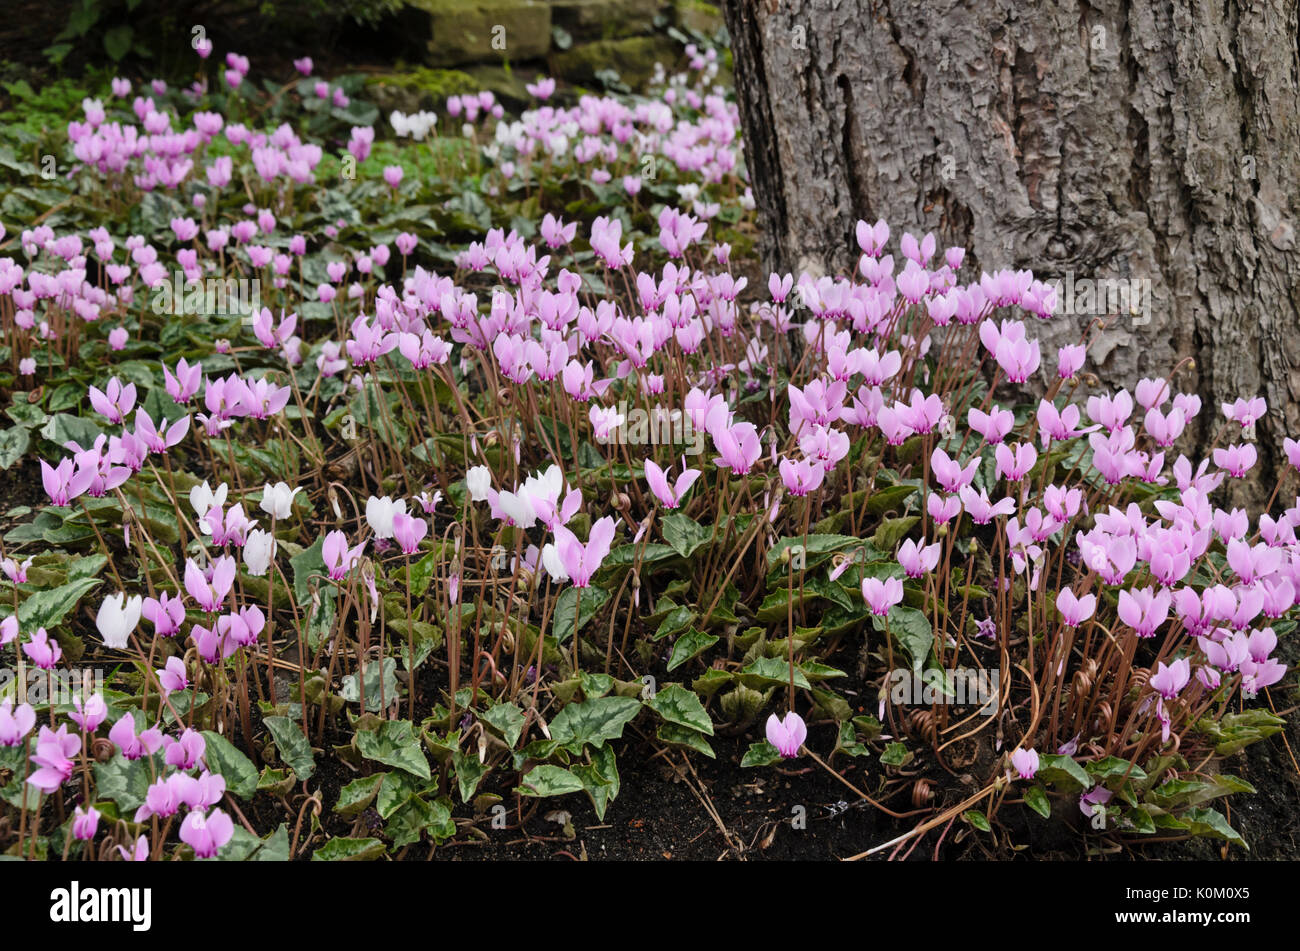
(508, 85)
(436, 82)
(605, 19)
(699, 15)
(468, 31)
(47, 108)
(419, 88)
(633, 59)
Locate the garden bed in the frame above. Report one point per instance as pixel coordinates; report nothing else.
(455, 483)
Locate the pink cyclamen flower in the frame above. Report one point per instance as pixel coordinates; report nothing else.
(408, 531)
(1292, 448)
(1069, 360)
(41, 651)
(182, 386)
(211, 594)
(1245, 412)
(981, 509)
(1015, 462)
(918, 559)
(362, 138)
(1074, 610)
(15, 724)
(881, 595)
(1025, 762)
(1169, 681)
(788, 735)
(994, 425)
(115, 401)
(1144, 610)
(16, 571)
(1018, 358)
(943, 510)
(738, 447)
(669, 496)
(133, 745)
(140, 851)
(166, 613)
(89, 714)
(273, 337)
(542, 89)
(801, 477)
(185, 752)
(67, 481)
(1236, 460)
(338, 557)
(85, 823)
(206, 835)
(53, 758)
(556, 233)
(949, 473)
(173, 677)
(581, 561)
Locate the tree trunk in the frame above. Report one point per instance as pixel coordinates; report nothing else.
(1151, 140)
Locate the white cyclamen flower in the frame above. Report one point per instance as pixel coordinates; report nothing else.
(277, 500)
(203, 498)
(479, 481)
(259, 549)
(551, 562)
(380, 512)
(117, 618)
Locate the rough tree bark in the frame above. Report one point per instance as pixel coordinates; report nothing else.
(1146, 139)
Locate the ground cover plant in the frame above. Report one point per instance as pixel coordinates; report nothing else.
(392, 471)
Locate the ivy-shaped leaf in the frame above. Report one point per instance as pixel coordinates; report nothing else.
(761, 753)
(683, 533)
(357, 795)
(1036, 799)
(549, 780)
(688, 646)
(394, 743)
(676, 735)
(225, 760)
(593, 721)
(343, 849)
(507, 719)
(678, 705)
(293, 746)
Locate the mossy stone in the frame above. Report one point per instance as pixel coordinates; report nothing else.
(586, 20)
(477, 31)
(633, 59)
(421, 88)
(698, 15)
